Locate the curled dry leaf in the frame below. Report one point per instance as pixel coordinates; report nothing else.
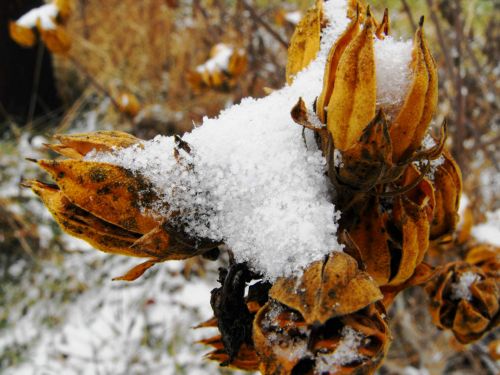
(464, 299)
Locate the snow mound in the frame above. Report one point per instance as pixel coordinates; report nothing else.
(249, 179)
(45, 14)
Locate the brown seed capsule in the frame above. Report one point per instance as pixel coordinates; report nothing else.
(465, 300)
(328, 321)
(23, 36)
(56, 40)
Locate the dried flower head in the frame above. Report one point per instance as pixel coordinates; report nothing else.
(465, 300)
(328, 321)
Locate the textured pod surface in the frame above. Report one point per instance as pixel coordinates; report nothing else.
(305, 42)
(351, 344)
(327, 289)
(411, 123)
(448, 188)
(110, 192)
(353, 100)
(465, 300)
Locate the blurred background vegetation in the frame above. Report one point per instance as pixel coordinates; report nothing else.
(130, 68)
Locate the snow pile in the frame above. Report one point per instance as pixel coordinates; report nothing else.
(461, 289)
(489, 231)
(219, 61)
(44, 14)
(346, 352)
(249, 180)
(392, 65)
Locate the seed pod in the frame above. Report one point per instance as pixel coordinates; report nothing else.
(327, 321)
(128, 104)
(448, 188)
(353, 100)
(393, 235)
(411, 123)
(305, 41)
(465, 300)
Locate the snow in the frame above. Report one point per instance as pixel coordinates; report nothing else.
(392, 65)
(346, 352)
(250, 180)
(461, 289)
(44, 14)
(219, 61)
(293, 17)
(489, 231)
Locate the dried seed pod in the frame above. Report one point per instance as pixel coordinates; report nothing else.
(393, 235)
(465, 300)
(245, 357)
(448, 188)
(327, 321)
(410, 124)
(305, 41)
(353, 100)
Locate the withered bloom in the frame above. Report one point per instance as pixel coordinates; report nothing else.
(103, 203)
(328, 321)
(465, 300)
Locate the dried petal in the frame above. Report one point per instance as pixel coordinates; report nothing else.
(353, 101)
(110, 192)
(412, 121)
(23, 36)
(75, 146)
(305, 41)
(57, 40)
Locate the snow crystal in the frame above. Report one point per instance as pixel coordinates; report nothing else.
(392, 64)
(337, 159)
(489, 231)
(249, 180)
(345, 353)
(219, 61)
(461, 289)
(45, 14)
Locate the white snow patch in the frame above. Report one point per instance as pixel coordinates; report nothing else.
(346, 352)
(219, 61)
(250, 181)
(489, 231)
(45, 14)
(293, 17)
(392, 64)
(461, 289)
